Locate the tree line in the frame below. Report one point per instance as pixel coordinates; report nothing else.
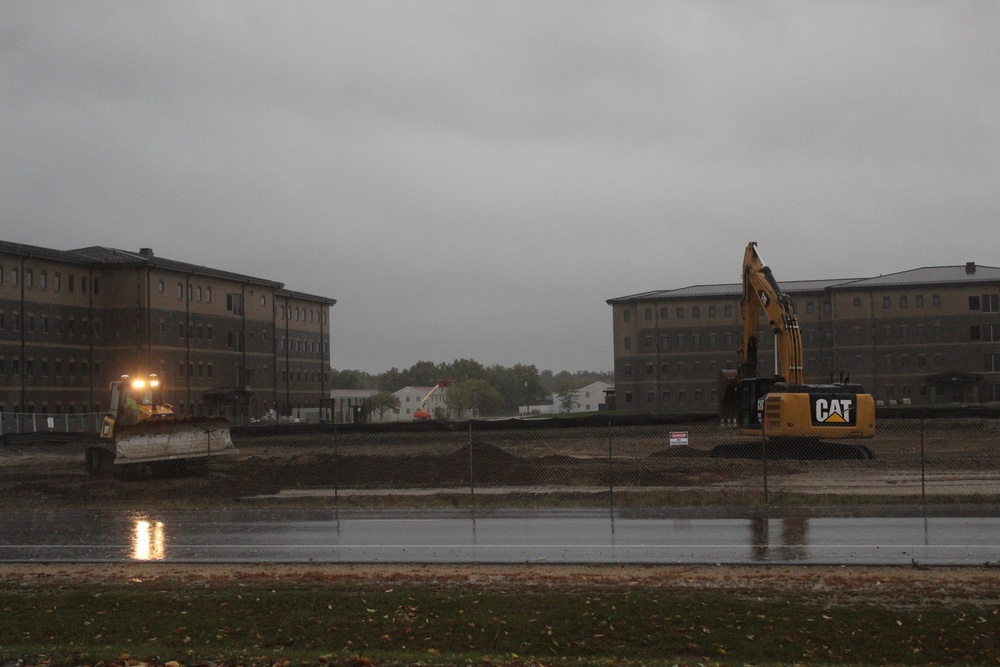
(485, 390)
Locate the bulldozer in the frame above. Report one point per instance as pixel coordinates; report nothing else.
(141, 433)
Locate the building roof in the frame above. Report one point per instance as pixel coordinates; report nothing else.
(291, 294)
(934, 275)
(96, 256)
(146, 257)
(352, 393)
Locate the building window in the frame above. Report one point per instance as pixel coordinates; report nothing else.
(680, 340)
(918, 301)
(680, 312)
(729, 311)
(665, 396)
(904, 331)
(857, 302)
(991, 303)
(936, 300)
(29, 278)
(628, 369)
(649, 369)
(903, 302)
(992, 363)
(809, 307)
(650, 397)
(711, 311)
(826, 306)
(627, 343)
(43, 279)
(921, 359)
(626, 314)
(904, 360)
(648, 313)
(663, 312)
(939, 359)
(886, 302)
(973, 303)
(628, 397)
(664, 368)
(887, 361)
(887, 332)
(696, 312)
(975, 332)
(696, 340)
(648, 342)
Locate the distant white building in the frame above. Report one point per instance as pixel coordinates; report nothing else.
(410, 398)
(587, 399)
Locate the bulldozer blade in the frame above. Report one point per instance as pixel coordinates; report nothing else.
(169, 439)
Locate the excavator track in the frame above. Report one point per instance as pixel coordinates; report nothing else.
(795, 449)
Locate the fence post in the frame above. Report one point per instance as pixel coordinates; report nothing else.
(336, 474)
(611, 480)
(763, 459)
(472, 484)
(923, 489)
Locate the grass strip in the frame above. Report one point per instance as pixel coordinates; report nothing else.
(260, 617)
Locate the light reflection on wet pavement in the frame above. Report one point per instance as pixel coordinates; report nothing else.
(570, 536)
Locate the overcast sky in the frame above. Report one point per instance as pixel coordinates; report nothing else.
(475, 179)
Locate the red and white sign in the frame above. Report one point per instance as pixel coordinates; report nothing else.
(678, 438)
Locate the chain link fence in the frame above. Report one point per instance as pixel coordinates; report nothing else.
(600, 461)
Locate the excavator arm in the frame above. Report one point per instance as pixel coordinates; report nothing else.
(761, 291)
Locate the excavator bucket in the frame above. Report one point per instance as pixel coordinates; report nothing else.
(172, 438)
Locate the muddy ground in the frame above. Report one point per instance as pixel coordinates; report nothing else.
(957, 461)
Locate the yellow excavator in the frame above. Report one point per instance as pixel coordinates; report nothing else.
(785, 408)
(140, 432)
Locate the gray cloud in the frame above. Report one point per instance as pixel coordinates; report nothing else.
(475, 179)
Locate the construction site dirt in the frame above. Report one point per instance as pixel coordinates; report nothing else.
(954, 462)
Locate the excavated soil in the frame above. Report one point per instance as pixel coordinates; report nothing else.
(960, 459)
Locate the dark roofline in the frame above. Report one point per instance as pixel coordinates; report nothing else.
(68, 256)
(292, 294)
(146, 257)
(921, 276)
(101, 256)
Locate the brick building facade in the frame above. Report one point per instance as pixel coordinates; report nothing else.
(222, 342)
(929, 335)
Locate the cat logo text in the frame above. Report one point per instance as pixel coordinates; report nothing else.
(833, 411)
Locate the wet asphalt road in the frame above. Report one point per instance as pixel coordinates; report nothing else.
(572, 536)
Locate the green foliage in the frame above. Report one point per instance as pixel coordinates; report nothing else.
(384, 402)
(567, 399)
